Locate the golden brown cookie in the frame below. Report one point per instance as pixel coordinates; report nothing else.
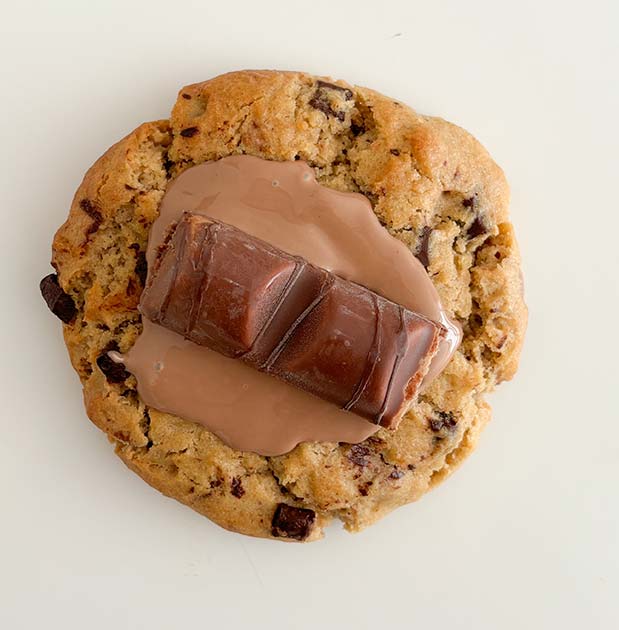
(431, 185)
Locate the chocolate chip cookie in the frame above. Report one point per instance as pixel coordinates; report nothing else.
(431, 185)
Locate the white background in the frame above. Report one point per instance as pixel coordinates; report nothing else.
(525, 535)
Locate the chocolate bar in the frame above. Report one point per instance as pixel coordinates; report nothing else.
(224, 289)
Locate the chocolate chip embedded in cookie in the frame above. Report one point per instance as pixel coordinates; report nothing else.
(426, 184)
(292, 522)
(59, 303)
(114, 372)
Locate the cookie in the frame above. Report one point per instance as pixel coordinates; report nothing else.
(430, 184)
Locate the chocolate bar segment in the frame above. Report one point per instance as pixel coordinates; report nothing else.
(224, 289)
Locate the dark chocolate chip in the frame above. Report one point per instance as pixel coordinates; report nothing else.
(58, 302)
(189, 132)
(469, 203)
(168, 165)
(236, 488)
(215, 483)
(359, 455)
(186, 96)
(93, 212)
(444, 420)
(141, 267)
(477, 228)
(411, 467)
(332, 86)
(356, 130)
(394, 151)
(114, 372)
(292, 522)
(320, 102)
(396, 473)
(364, 488)
(423, 248)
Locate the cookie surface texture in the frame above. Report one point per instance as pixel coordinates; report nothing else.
(431, 185)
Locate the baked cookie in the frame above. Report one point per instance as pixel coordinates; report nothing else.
(430, 184)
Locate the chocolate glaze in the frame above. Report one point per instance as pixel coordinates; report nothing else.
(281, 203)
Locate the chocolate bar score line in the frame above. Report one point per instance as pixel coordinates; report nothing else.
(221, 288)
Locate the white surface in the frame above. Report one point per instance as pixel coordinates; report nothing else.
(525, 535)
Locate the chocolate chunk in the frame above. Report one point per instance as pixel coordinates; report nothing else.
(189, 132)
(444, 420)
(423, 249)
(394, 151)
(477, 228)
(359, 454)
(186, 96)
(321, 103)
(114, 372)
(236, 488)
(224, 289)
(320, 100)
(141, 268)
(469, 203)
(292, 522)
(331, 86)
(58, 302)
(396, 473)
(93, 212)
(357, 130)
(364, 488)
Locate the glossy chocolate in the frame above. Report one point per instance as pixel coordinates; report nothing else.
(221, 288)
